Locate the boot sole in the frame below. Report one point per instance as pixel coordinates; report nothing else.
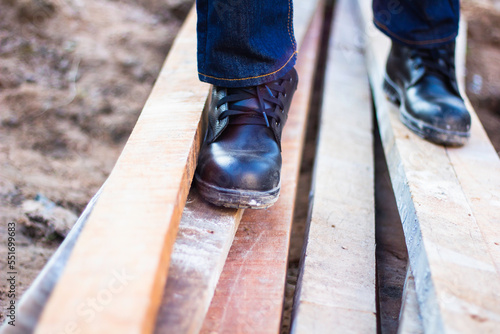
(237, 198)
(422, 129)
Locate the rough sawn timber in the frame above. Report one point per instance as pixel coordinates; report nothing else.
(205, 236)
(336, 286)
(116, 273)
(410, 320)
(448, 220)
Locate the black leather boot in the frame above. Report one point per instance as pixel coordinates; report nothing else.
(423, 82)
(239, 165)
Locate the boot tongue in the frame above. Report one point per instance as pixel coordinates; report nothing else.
(250, 103)
(440, 63)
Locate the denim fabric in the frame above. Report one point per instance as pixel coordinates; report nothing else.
(418, 23)
(244, 42)
(250, 42)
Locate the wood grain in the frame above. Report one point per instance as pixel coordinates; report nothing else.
(114, 279)
(205, 236)
(477, 166)
(451, 257)
(336, 287)
(410, 320)
(249, 296)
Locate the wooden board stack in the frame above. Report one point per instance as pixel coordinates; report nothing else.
(227, 276)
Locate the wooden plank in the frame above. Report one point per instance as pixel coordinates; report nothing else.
(410, 320)
(477, 166)
(391, 253)
(114, 278)
(303, 12)
(249, 296)
(205, 236)
(336, 287)
(457, 282)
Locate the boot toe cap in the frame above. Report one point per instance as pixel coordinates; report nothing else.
(239, 170)
(448, 114)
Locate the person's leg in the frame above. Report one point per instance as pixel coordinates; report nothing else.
(244, 43)
(418, 23)
(246, 50)
(420, 73)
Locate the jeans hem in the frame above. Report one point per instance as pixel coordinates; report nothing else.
(414, 43)
(251, 81)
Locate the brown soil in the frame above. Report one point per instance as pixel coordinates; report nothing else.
(74, 76)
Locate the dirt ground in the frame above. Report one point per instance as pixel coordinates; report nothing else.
(74, 76)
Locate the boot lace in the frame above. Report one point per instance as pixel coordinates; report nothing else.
(439, 61)
(256, 104)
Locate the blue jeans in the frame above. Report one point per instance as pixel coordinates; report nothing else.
(250, 42)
